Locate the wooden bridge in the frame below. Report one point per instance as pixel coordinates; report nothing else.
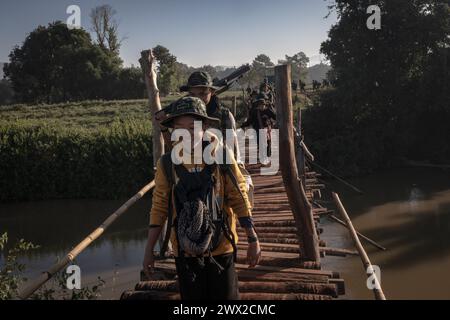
(281, 274)
(287, 221)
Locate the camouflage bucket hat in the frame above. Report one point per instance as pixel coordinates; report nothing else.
(199, 79)
(188, 106)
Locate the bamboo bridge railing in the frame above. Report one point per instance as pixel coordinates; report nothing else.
(30, 287)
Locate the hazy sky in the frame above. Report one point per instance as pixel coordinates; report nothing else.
(198, 32)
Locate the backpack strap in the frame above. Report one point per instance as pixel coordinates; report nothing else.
(166, 161)
(226, 168)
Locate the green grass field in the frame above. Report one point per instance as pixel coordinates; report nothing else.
(93, 115)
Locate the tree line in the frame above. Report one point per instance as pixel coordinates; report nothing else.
(57, 64)
(390, 96)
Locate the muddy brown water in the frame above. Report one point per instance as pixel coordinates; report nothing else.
(408, 212)
(405, 210)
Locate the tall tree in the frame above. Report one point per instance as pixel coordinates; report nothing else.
(263, 60)
(299, 65)
(259, 71)
(386, 67)
(391, 85)
(209, 69)
(6, 92)
(59, 64)
(106, 28)
(167, 69)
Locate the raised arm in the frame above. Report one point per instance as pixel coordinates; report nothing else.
(148, 65)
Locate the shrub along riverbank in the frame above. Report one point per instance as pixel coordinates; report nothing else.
(88, 149)
(49, 162)
(97, 150)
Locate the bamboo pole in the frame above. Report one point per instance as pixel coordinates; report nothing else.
(301, 208)
(147, 62)
(329, 214)
(234, 106)
(377, 290)
(30, 288)
(375, 244)
(307, 152)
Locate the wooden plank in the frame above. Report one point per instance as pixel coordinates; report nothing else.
(250, 287)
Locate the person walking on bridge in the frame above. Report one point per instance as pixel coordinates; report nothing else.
(202, 204)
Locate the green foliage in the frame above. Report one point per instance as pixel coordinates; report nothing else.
(59, 64)
(11, 277)
(166, 70)
(391, 87)
(6, 92)
(56, 289)
(11, 270)
(107, 154)
(299, 65)
(259, 71)
(105, 28)
(56, 64)
(129, 84)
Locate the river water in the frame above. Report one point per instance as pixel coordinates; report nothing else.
(408, 212)
(405, 210)
(59, 225)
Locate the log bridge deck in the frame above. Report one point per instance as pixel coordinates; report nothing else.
(281, 273)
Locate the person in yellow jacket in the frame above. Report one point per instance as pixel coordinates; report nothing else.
(211, 275)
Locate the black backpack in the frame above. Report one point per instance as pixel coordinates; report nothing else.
(217, 225)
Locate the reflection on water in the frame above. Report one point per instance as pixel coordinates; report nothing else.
(415, 197)
(408, 212)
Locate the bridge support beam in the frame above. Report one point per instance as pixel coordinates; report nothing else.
(301, 209)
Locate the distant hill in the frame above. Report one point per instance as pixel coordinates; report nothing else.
(317, 72)
(1, 70)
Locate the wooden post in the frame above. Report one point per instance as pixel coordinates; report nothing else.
(153, 102)
(148, 62)
(301, 209)
(377, 290)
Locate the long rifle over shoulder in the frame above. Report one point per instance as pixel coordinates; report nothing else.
(228, 81)
(224, 84)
